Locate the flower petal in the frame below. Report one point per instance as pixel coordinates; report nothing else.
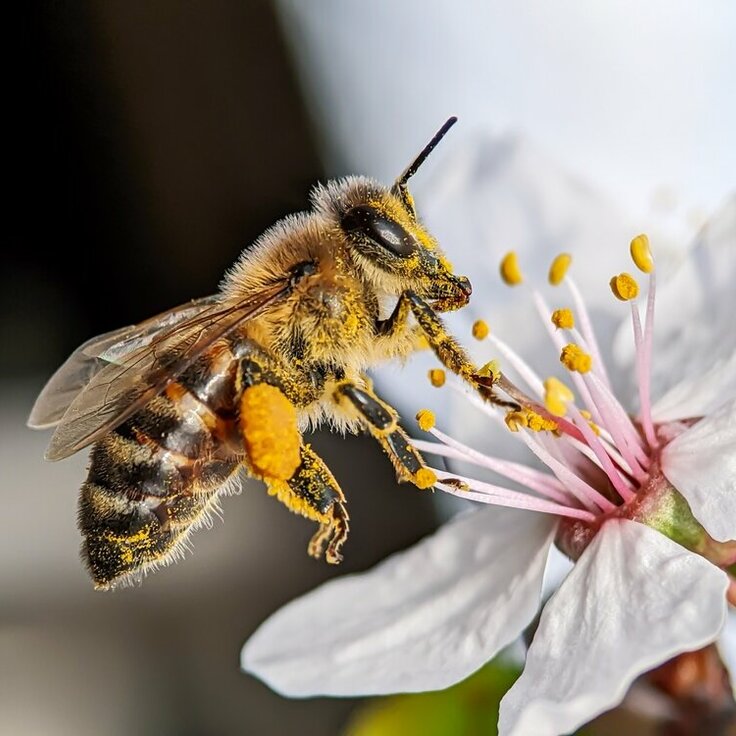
(634, 599)
(421, 620)
(701, 464)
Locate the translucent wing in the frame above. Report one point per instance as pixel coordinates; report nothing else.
(92, 356)
(119, 389)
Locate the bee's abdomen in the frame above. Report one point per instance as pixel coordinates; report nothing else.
(158, 473)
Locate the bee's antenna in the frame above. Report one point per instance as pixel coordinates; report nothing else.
(419, 160)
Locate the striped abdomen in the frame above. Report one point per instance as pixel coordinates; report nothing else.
(159, 473)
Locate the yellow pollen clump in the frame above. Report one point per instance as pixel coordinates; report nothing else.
(425, 419)
(563, 319)
(268, 423)
(624, 287)
(480, 329)
(556, 396)
(492, 369)
(424, 478)
(574, 358)
(510, 271)
(437, 377)
(529, 419)
(558, 269)
(641, 253)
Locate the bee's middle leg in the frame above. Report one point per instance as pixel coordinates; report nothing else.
(382, 421)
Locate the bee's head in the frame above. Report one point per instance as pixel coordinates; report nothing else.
(387, 241)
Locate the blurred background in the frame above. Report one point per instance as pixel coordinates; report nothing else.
(150, 143)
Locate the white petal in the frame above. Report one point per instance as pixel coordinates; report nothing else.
(701, 464)
(727, 648)
(699, 394)
(633, 600)
(421, 620)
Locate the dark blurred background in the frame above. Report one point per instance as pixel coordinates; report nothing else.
(150, 143)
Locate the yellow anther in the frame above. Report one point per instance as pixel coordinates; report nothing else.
(574, 358)
(515, 419)
(562, 319)
(437, 377)
(596, 429)
(480, 329)
(624, 287)
(529, 419)
(558, 269)
(641, 254)
(426, 419)
(556, 396)
(268, 422)
(492, 369)
(424, 478)
(585, 414)
(510, 271)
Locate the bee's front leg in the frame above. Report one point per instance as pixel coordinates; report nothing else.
(450, 353)
(382, 421)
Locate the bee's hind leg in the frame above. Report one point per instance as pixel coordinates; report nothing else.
(382, 421)
(312, 491)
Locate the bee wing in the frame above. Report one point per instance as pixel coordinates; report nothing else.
(92, 356)
(119, 389)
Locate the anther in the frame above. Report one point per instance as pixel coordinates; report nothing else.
(437, 377)
(563, 319)
(574, 358)
(425, 419)
(510, 271)
(558, 269)
(424, 478)
(480, 329)
(556, 396)
(624, 287)
(641, 254)
(492, 370)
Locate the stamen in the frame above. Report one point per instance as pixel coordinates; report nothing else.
(480, 329)
(585, 493)
(425, 419)
(643, 364)
(529, 419)
(600, 451)
(563, 319)
(437, 377)
(558, 269)
(499, 496)
(556, 396)
(533, 479)
(510, 271)
(425, 478)
(641, 253)
(574, 358)
(527, 374)
(624, 287)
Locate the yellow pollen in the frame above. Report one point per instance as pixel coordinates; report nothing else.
(492, 369)
(562, 319)
(445, 264)
(424, 478)
(556, 396)
(510, 271)
(641, 254)
(558, 269)
(594, 427)
(529, 419)
(480, 329)
(585, 414)
(624, 287)
(422, 343)
(574, 358)
(425, 419)
(437, 377)
(268, 423)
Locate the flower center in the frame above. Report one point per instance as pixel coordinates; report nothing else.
(600, 462)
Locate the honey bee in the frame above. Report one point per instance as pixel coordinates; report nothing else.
(176, 406)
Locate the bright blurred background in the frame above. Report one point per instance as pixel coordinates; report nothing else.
(150, 143)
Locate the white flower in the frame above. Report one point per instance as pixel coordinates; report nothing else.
(650, 579)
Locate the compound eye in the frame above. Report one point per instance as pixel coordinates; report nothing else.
(367, 222)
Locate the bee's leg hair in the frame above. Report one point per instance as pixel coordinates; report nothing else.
(314, 493)
(381, 420)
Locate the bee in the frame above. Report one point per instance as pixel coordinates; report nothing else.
(176, 406)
